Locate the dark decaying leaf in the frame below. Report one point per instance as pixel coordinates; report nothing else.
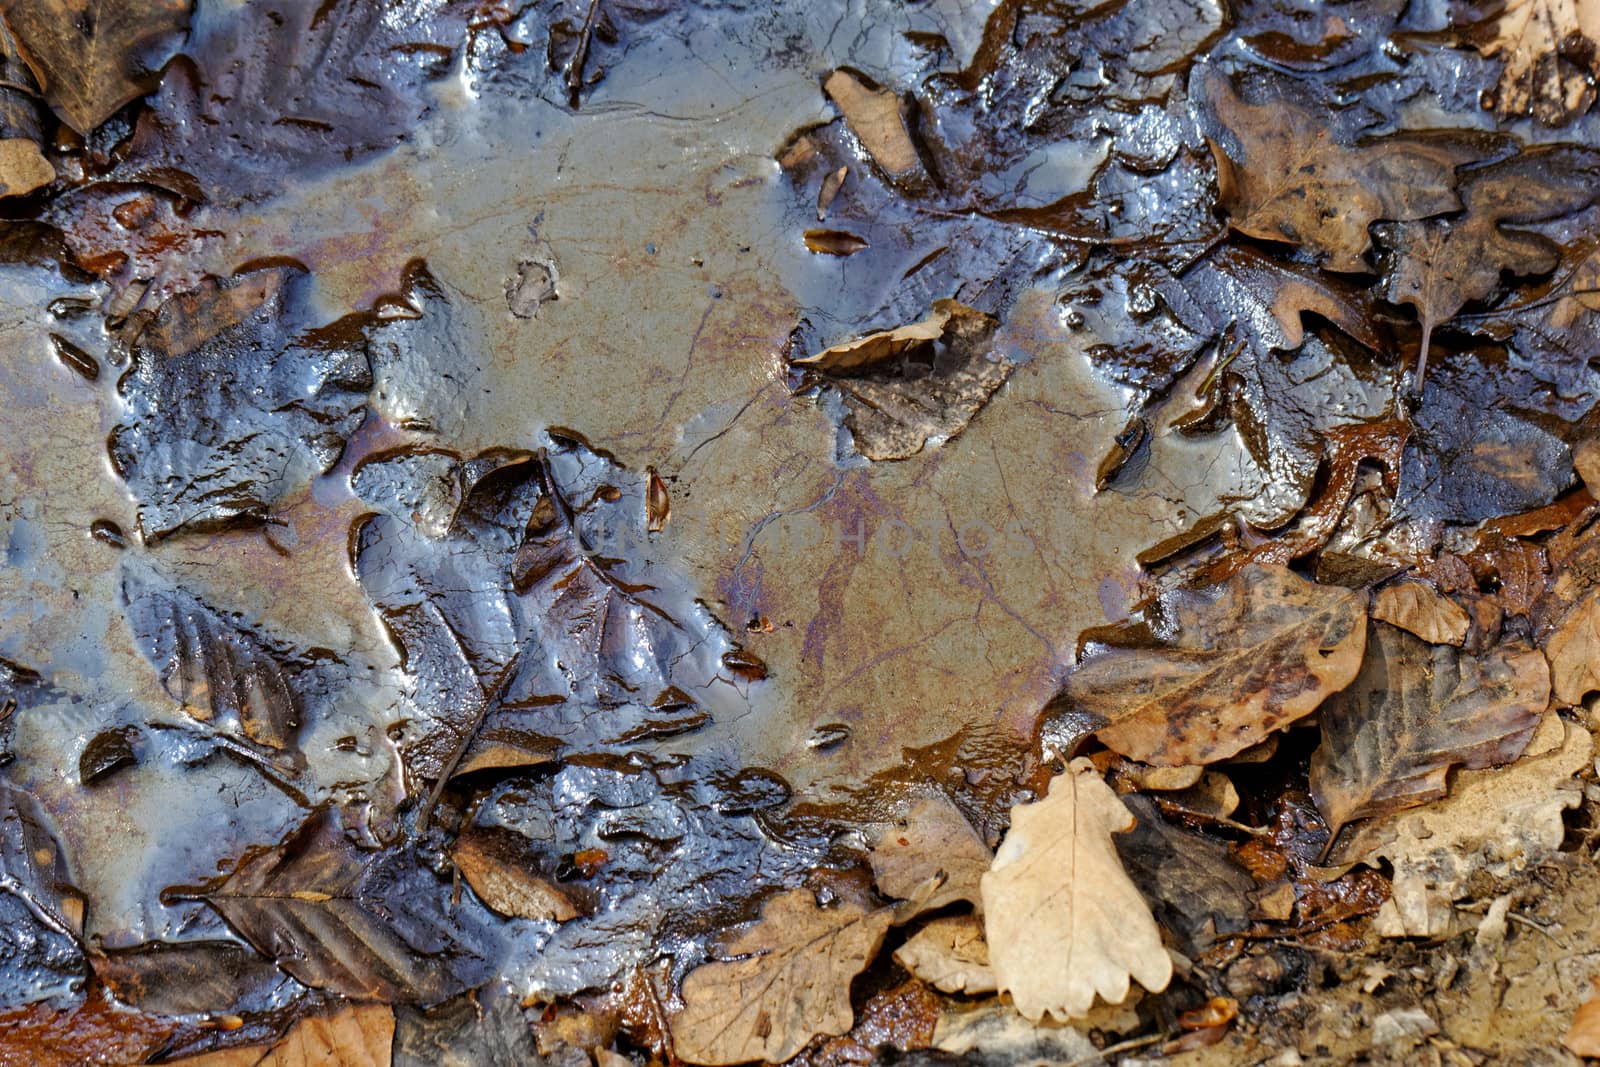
(485, 1029)
(907, 386)
(528, 617)
(40, 913)
(1198, 894)
(233, 400)
(192, 977)
(219, 669)
(373, 925)
(108, 751)
(1415, 711)
(93, 56)
(1287, 174)
(1212, 672)
(1438, 265)
(19, 687)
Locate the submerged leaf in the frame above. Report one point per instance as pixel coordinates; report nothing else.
(779, 983)
(39, 952)
(1415, 711)
(1062, 919)
(909, 385)
(1232, 664)
(376, 925)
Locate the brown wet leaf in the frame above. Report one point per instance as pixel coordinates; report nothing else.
(657, 502)
(835, 242)
(1063, 921)
(832, 182)
(359, 1035)
(909, 385)
(778, 983)
(93, 56)
(93, 1030)
(1549, 51)
(1290, 176)
(500, 869)
(1221, 668)
(951, 955)
(1438, 265)
(1415, 711)
(366, 925)
(1573, 649)
(874, 116)
(23, 169)
(933, 859)
(1417, 607)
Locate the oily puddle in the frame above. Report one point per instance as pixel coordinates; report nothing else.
(562, 339)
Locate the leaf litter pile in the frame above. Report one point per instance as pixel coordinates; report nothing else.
(626, 532)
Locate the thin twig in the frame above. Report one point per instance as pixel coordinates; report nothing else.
(580, 54)
(1112, 1050)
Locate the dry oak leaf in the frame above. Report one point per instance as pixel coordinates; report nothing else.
(1438, 265)
(874, 117)
(935, 858)
(1583, 1036)
(1573, 650)
(1549, 51)
(93, 56)
(1215, 671)
(1415, 711)
(951, 955)
(1289, 176)
(779, 983)
(361, 1035)
(1062, 919)
(1418, 608)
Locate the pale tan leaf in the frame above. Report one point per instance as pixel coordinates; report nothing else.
(1583, 1036)
(1244, 658)
(502, 875)
(886, 345)
(1544, 75)
(1573, 650)
(950, 954)
(22, 168)
(779, 983)
(1063, 921)
(874, 117)
(360, 1035)
(1417, 607)
(935, 844)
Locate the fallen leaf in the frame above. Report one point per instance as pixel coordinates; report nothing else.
(1063, 921)
(874, 117)
(234, 398)
(93, 56)
(1289, 175)
(1438, 265)
(41, 957)
(503, 876)
(1220, 668)
(483, 1029)
(778, 983)
(1500, 821)
(1415, 711)
(1418, 608)
(835, 242)
(832, 182)
(219, 670)
(374, 925)
(211, 977)
(950, 955)
(359, 1035)
(23, 169)
(1196, 891)
(912, 384)
(1548, 48)
(1583, 1035)
(935, 846)
(657, 502)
